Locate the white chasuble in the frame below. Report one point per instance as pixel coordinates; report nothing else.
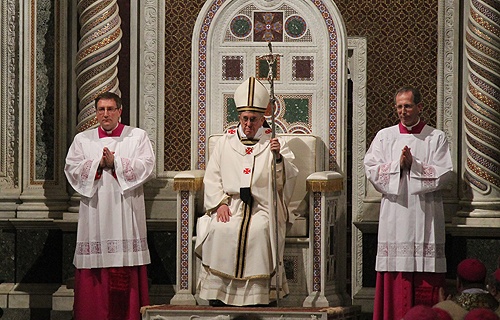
(411, 233)
(243, 250)
(112, 216)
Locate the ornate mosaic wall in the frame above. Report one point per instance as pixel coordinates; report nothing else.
(293, 111)
(482, 168)
(44, 104)
(401, 51)
(179, 27)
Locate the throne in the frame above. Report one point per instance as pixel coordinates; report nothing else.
(229, 41)
(309, 248)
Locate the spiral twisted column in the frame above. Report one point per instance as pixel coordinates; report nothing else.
(97, 58)
(482, 108)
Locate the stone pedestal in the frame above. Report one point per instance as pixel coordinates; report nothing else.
(171, 312)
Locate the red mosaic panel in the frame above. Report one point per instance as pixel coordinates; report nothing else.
(232, 68)
(268, 26)
(302, 68)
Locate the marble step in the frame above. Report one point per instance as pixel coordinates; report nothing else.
(175, 312)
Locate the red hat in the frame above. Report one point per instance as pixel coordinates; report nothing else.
(471, 270)
(497, 275)
(442, 314)
(421, 312)
(481, 314)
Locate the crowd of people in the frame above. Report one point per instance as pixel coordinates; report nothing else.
(408, 163)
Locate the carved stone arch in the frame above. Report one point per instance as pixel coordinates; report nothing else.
(228, 39)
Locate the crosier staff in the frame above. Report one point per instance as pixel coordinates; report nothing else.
(271, 60)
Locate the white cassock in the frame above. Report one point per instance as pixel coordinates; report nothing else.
(112, 216)
(411, 234)
(238, 257)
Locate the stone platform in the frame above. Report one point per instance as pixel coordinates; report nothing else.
(175, 312)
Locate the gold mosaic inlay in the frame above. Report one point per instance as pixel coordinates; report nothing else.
(484, 138)
(480, 172)
(483, 72)
(478, 121)
(482, 47)
(481, 160)
(485, 24)
(188, 184)
(101, 44)
(484, 85)
(477, 108)
(482, 97)
(481, 147)
(334, 185)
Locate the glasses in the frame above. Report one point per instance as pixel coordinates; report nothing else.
(405, 106)
(251, 119)
(109, 110)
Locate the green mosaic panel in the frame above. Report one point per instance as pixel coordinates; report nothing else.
(263, 69)
(297, 110)
(231, 113)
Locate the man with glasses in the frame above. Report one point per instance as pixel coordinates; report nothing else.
(409, 163)
(108, 166)
(238, 247)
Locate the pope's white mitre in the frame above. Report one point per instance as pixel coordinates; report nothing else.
(251, 95)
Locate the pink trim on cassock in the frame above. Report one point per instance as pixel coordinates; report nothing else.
(116, 132)
(110, 293)
(415, 129)
(397, 292)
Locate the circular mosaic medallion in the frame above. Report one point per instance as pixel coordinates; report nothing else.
(295, 26)
(241, 26)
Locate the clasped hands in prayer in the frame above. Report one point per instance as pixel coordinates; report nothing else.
(107, 160)
(406, 158)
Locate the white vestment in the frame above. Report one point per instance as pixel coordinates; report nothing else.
(112, 216)
(238, 257)
(411, 234)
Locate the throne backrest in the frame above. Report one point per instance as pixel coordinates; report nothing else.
(308, 153)
(231, 42)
